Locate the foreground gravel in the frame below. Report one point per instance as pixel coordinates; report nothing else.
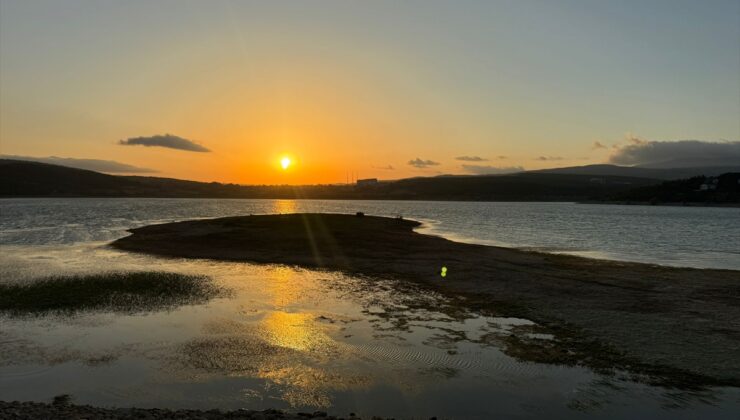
(61, 409)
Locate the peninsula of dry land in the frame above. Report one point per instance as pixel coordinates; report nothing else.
(670, 326)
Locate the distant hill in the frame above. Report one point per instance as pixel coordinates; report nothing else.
(34, 179)
(23, 178)
(512, 187)
(31, 179)
(722, 189)
(643, 172)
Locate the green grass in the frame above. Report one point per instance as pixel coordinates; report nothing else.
(115, 291)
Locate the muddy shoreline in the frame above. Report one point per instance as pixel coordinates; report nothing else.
(675, 327)
(64, 410)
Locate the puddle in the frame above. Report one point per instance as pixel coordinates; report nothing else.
(302, 340)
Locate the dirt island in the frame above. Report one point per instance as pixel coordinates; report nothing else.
(676, 327)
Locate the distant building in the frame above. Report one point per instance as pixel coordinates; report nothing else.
(367, 182)
(711, 183)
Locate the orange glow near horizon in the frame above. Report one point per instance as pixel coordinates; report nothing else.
(358, 91)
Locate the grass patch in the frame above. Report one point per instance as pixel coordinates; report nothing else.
(126, 292)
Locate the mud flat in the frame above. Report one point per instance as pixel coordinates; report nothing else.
(61, 409)
(675, 327)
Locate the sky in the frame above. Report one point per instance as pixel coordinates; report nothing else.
(222, 90)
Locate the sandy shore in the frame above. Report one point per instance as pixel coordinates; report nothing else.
(669, 326)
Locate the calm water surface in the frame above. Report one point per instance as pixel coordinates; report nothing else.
(305, 340)
(681, 236)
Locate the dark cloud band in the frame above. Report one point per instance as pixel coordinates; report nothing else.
(166, 140)
(422, 163)
(471, 158)
(681, 153)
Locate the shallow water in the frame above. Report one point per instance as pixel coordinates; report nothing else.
(299, 340)
(704, 237)
(287, 338)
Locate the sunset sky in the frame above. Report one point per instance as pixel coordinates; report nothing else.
(223, 90)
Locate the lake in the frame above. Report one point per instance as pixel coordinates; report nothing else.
(703, 237)
(305, 340)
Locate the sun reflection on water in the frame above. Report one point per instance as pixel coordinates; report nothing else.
(295, 339)
(292, 330)
(285, 206)
(282, 286)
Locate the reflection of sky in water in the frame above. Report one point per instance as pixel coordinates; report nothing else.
(681, 236)
(305, 340)
(299, 340)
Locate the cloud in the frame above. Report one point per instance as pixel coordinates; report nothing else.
(502, 157)
(490, 170)
(386, 167)
(471, 158)
(166, 140)
(550, 158)
(676, 154)
(109, 166)
(598, 145)
(421, 163)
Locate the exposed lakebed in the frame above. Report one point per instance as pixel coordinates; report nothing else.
(302, 340)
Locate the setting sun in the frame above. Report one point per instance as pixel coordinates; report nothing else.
(285, 162)
(370, 209)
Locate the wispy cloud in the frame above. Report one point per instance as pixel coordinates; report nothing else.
(598, 145)
(545, 158)
(471, 158)
(679, 153)
(421, 163)
(98, 165)
(385, 168)
(491, 170)
(165, 140)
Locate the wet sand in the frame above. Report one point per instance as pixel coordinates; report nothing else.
(676, 327)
